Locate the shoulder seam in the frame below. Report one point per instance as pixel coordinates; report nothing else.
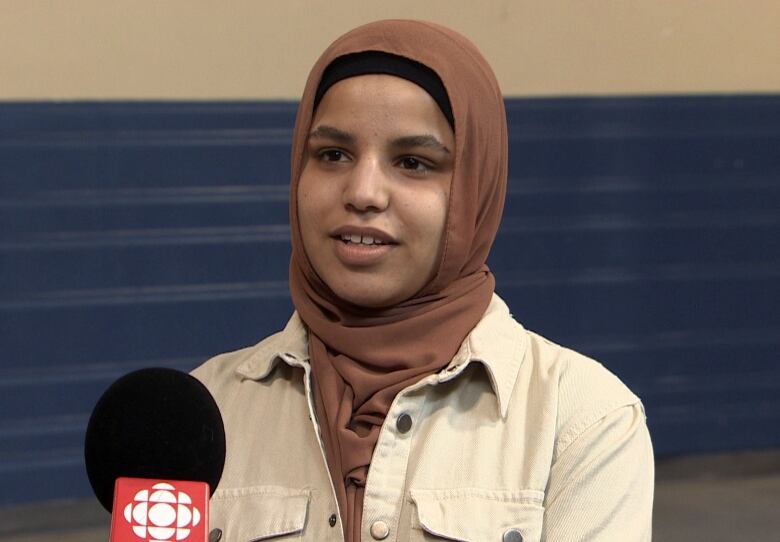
(579, 428)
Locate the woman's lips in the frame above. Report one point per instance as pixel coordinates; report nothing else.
(360, 233)
(359, 254)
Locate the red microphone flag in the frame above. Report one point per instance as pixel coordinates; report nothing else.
(148, 510)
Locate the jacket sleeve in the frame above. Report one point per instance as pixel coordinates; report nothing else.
(600, 487)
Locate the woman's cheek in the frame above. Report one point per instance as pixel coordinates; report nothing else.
(306, 198)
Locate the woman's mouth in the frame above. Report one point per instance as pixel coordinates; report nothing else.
(367, 240)
(361, 250)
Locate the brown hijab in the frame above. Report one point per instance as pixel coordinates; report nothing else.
(361, 358)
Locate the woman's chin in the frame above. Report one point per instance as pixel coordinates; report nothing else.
(370, 296)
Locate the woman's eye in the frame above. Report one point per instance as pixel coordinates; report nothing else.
(413, 164)
(332, 155)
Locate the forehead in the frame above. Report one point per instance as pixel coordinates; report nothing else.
(378, 98)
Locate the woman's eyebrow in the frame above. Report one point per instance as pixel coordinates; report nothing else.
(408, 142)
(329, 132)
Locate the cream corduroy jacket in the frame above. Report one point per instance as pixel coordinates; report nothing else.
(517, 439)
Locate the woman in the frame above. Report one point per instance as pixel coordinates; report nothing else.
(402, 401)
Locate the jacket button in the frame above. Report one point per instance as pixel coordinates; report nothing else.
(403, 423)
(512, 535)
(332, 520)
(379, 530)
(215, 535)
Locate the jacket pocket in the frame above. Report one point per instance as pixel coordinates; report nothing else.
(477, 515)
(259, 513)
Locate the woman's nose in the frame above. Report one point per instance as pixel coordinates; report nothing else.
(366, 189)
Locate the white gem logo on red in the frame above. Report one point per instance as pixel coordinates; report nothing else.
(162, 513)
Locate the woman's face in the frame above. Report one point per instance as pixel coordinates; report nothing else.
(374, 190)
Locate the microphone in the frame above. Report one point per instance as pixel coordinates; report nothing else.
(154, 452)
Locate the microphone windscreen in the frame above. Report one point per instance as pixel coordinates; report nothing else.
(154, 423)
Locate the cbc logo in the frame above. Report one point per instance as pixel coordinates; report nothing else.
(162, 513)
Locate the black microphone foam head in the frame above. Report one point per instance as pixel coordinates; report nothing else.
(154, 423)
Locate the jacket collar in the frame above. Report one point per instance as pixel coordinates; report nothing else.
(289, 345)
(497, 342)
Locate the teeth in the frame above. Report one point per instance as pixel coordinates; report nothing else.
(357, 239)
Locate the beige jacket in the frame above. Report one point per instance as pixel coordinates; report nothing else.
(517, 439)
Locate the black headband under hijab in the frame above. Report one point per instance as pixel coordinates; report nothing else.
(377, 62)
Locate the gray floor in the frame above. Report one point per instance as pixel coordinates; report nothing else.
(724, 498)
(730, 497)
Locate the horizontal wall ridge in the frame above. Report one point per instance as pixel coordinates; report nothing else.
(31, 375)
(678, 272)
(161, 236)
(147, 294)
(681, 272)
(680, 338)
(259, 193)
(147, 138)
(26, 460)
(280, 232)
(620, 184)
(43, 425)
(628, 221)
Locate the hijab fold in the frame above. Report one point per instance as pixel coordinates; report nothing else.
(362, 358)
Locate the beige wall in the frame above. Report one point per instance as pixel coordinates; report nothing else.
(242, 49)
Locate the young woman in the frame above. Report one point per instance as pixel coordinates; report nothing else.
(402, 401)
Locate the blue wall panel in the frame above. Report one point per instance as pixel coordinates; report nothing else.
(644, 232)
